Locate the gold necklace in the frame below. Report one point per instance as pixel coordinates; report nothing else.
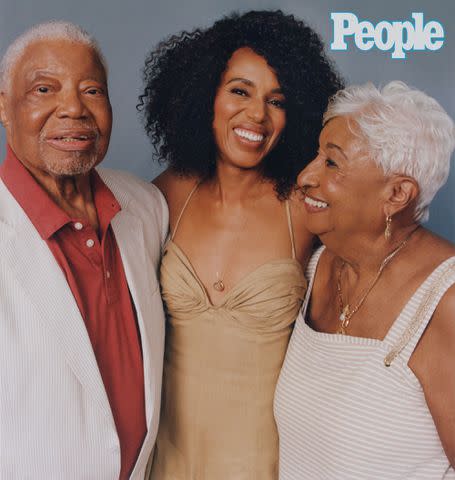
(346, 312)
(219, 284)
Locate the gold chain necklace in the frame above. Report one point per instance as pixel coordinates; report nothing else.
(219, 284)
(346, 312)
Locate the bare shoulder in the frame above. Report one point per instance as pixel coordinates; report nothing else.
(432, 362)
(432, 252)
(175, 188)
(438, 341)
(171, 183)
(436, 247)
(304, 239)
(443, 321)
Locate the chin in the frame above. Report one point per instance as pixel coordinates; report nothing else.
(247, 163)
(75, 164)
(249, 166)
(316, 226)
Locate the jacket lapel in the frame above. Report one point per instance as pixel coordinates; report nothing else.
(129, 235)
(28, 257)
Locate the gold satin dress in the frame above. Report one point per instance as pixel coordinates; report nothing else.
(221, 366)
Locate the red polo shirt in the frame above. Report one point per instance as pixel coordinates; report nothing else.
(94, 272)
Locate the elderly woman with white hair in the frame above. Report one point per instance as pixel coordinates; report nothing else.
(367, 390)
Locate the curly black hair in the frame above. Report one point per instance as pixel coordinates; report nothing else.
(183, 73)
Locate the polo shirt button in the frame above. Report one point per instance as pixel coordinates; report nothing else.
(108, 274)
(90, 243)
(78, 226)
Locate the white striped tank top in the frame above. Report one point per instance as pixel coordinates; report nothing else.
(343, 414)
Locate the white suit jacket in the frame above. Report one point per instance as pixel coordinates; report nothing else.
(55, 417)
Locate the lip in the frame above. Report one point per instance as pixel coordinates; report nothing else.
(313, 208)
(69, 140)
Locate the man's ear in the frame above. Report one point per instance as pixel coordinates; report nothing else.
(401, 192)
(3, 115)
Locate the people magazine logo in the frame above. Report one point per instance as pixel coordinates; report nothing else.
(396, 37)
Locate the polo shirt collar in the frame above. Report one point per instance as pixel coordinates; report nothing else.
(46, 216)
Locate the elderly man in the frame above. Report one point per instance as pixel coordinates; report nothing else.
(81, 319)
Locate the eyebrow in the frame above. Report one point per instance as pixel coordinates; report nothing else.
(250, 83)
(333, 145)
(39, 73)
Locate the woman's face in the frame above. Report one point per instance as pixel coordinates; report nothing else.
(344, 190)
(249, 112)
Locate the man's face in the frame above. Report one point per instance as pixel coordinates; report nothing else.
(56, 110)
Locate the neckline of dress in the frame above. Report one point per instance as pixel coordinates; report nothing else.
(333, 337)
(289, 260)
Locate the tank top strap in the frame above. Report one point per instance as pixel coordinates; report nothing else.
(407, 329)
(310, 274)
(188, 198)
(291, 230)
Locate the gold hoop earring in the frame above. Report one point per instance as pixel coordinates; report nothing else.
(388, 228)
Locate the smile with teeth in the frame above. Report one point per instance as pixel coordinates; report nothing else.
(315, 203)
(72, 139)
(249, 135)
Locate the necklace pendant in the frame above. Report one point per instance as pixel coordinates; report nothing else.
(345, 317)
(219, 286)
(344, 314)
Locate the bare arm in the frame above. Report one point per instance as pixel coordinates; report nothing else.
(433, 362)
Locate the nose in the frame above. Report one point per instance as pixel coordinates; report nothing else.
(309, 176)
(71, 105)
(256, 110)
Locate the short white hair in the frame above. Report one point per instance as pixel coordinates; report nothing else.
(53, 30)
(407, 132)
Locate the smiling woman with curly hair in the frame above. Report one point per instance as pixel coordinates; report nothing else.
(235, 110)
(182, 77)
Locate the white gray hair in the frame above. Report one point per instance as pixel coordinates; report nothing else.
(52, 30)
(406, 131)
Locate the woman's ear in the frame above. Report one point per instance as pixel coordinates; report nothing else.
(401, 192)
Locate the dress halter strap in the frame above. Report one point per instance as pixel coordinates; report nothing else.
(288, 215)
(310, 274)
(188, 198)
(291, 231)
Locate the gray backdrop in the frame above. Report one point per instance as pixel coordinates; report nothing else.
(127, 30)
